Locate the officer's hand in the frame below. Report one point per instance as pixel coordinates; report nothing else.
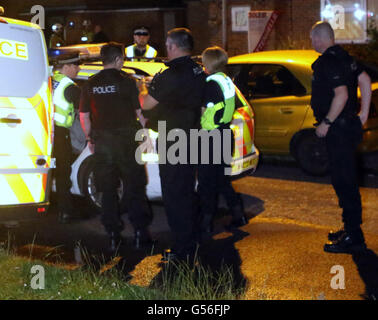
(144, 83)
(363, 118)
(141, 84)
(322, 130)
(147, 145)
(91, 147)
(147, 81)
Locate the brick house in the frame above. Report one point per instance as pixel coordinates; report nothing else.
(210, 20)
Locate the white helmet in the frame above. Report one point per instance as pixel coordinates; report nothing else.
(57, 27)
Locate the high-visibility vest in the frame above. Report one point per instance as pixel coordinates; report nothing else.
(64, 110)
(228, 103)
(150, 52)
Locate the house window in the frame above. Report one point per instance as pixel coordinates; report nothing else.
(348, 19)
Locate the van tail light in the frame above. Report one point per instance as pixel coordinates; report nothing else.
(41, 210)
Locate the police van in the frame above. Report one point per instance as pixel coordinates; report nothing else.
(26, 120)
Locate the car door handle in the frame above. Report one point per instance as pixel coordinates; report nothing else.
(286, 110)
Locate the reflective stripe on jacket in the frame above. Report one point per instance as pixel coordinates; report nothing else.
(150, 52)
(228, 104)
(64, 110)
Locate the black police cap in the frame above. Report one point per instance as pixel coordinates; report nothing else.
(141, 31)
(68, 58)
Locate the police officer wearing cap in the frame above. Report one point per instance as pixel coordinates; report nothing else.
(140, 49)
(56, 39)
(108, 107)
(66, 98)
(334, 102)
(177, 95)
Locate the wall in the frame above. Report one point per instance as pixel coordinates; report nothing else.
(291, 30)
(119, 25)
(203, 17)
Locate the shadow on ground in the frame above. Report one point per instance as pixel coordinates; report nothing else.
(53, 242)
(367, 266)
(217, 256)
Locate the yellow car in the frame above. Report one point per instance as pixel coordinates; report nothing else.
(278, 86)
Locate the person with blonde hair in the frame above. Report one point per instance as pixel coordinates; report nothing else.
(218, 109)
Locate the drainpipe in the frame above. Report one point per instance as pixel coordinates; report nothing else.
(224, 24)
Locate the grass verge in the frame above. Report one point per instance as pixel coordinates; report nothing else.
(20, 281)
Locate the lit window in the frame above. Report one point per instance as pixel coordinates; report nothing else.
(348, 19)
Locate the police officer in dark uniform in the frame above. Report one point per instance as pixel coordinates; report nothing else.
(335, 105)
(177, 94)
(109, 102)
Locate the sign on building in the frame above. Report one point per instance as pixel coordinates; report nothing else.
(260, 25)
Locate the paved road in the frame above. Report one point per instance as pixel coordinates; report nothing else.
(278, 255)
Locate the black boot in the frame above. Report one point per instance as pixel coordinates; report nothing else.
(336, 235)
(206, 224)
(346, 244)
(64, 217)
(236, 223)
(238, 217)
(142, 238)
(115, 241)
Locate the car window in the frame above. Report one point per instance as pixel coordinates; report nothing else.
(265, 80)
(23, 61)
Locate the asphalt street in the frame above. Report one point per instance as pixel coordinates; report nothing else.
(278, 255)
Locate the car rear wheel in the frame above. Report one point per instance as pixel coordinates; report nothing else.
(88, 187)
(311, 154)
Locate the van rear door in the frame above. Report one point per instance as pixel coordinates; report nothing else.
(26, 112)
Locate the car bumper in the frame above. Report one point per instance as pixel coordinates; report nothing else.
(23, 212)
(248, 163)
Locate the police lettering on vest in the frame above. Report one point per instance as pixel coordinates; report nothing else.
(104, 90)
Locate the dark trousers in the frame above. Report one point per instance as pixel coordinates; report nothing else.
(212, 181)
(62, 152)
(342, 140)
(115, 159)
(178, 183)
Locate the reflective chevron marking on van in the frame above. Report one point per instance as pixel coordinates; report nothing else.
(22, 180)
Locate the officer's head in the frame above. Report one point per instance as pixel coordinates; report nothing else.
(322, 36)
(112, 55)
(141, 36)
(97, 28)
(57, 28)
(214, 59)
(68, 64)
(179, 43)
